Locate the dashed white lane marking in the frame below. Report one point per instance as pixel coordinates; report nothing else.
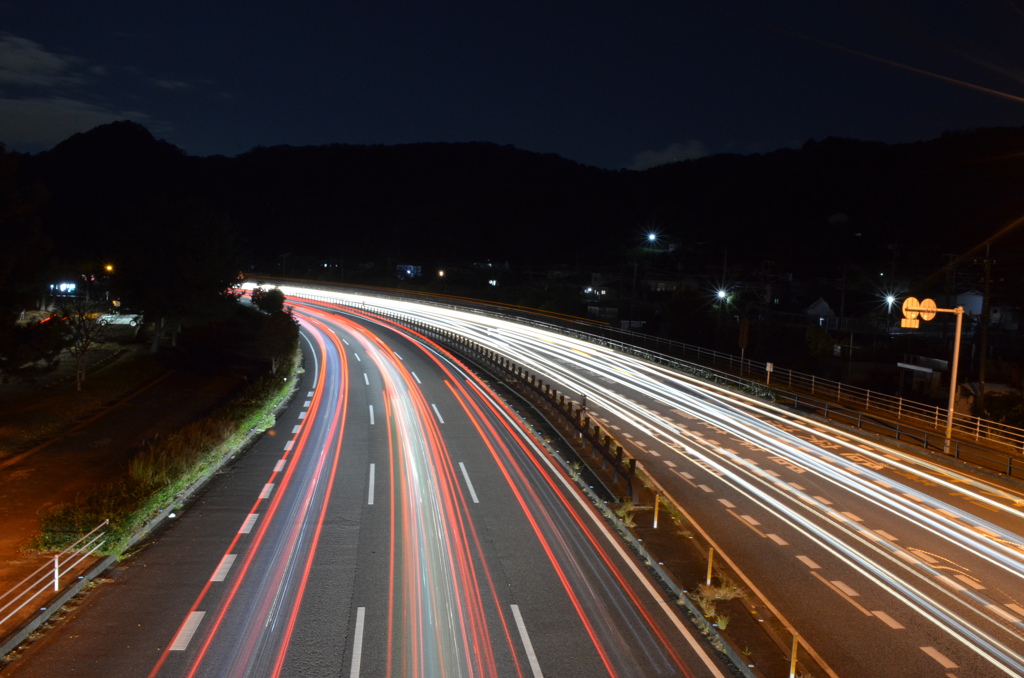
(250, 520)
(925, 557)
(943, 660)
(416, 378)
(750, 519)
(1002, 613)
(530, 654)
(373, 470)
(398, 356)
(267, 489)
(436, 413)
(366, 379)
(726, 503)
(844, 588)
(187, 630)
(778, 540)
(288, 445)
(824, 501)
(307, 403)
(295, 429)
(371, 415)
(841, 592)
(344, 341)
(886, 535)
(795, 486)
(302, 415)
(469, 483)
(970, 582)
(956, 586)
(358, 359)
(1016, 608)
(686, 475)
(889, 621)
(309, 395)
(279, 466)
(221, 573)
(357, 643)
(852, 517)
(808, 562)
(705, 488)
(670, 464)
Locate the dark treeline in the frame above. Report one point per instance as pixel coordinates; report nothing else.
(426, 203)
(837, 220)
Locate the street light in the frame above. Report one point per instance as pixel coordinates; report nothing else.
(926, 310)
(889, 300)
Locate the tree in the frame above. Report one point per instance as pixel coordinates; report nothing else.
(268, 301)
(277, 338)
(83, 331)
(21, 265)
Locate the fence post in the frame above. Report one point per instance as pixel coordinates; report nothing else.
(56, 573)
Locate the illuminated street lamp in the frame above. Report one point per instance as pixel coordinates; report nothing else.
(926, 310)
(889, 301)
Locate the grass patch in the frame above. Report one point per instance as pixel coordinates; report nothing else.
(159, 474)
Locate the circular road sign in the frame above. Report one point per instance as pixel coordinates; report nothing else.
(908, 304)
(927, 309)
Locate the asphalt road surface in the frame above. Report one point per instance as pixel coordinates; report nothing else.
(886, 562)
(399, 521)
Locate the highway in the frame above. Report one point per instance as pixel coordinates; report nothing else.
(885, 562)
(399, 520)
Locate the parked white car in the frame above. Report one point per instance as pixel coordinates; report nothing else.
(130, 319)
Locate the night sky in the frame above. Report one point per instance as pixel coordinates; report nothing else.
(610, 84)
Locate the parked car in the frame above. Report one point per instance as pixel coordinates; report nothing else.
(131, 319)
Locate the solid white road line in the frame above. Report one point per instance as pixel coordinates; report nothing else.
(357, 643)
(530, 654)
(469, 483)
(221, 573)
(250, 520)
(187, 630)
(373, 469)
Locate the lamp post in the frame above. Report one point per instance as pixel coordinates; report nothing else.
(926, 310)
